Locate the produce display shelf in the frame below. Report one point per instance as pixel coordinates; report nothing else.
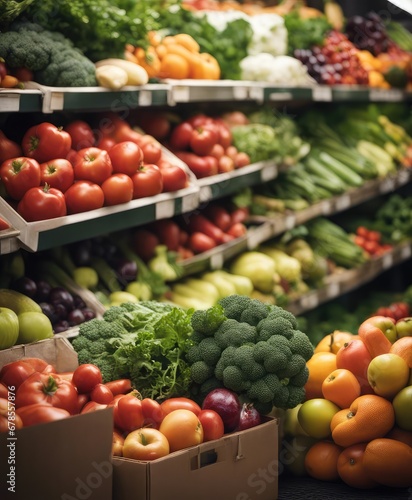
(42, 235)
(99, 98)
(17, 100)
(9, 242)
(355, 196)
(346, 280)
(217, 186)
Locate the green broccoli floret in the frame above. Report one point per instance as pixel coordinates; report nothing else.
(274, 325)
(234, 305)
(233, 333)
(226, 359)
(296, 396)
(209, 351)
(260, 391)
(254, 312)
(295, 364)
(193, 354)
(25, 50)
(272, 357)
(233, 378)
(208, 321)
(300, 343)
(300, 378)
(200, 372)
(244, 360)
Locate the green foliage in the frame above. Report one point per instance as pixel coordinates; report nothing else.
(305, 33)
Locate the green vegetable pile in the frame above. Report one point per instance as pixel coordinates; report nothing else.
(144, 341)
(305, 33)
(252, 348)
(394, 219)
(50, 55)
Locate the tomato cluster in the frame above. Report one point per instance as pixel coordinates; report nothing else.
(395, 310)
(205, 144)
(371, 241)
(53, 171)
(193, 234)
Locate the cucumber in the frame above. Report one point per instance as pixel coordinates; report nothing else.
(17, 302)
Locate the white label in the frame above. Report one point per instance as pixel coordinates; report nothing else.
(205, 193)
(385, 95)
(240, 93)
(281, 96)
(343, 202)
(406, 252)
(9, 102)
(387, 261)
(165, 209)
(333, 290)
(56, 101)
(190, 202)
(322, 93)
(310, 301)
(387, 185)
(268, 172)
(145, 98)
(181, 94)
(217, 261)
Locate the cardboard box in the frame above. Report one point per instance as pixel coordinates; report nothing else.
(69, 459)
(240, 466)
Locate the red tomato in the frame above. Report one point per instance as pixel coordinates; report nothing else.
(19, 175)
(180, 136)
(58, 174)
(128, 413)
(83, 196)
(145, 444)
(106, 143)
(224, 133)
(241, 159)
(71, 156)
(126, 157)
(355, 357)
(219, 216)
(200, 120)
(203, 139)
(147, 181)
(46, 141)
(201, 166)
(144, 243)
(13, 374)
(118, 188)
(41, 203)
(174, 176)
(39, 364)
(101, 394)
(225, 164)
(92, 164)
(155, 124)
(152, 150)
(119, 386)
(237, 230)
(171, 404)
(8, 148)
(49, 389)
(81, 134)
(92, 406)
(86, 376)
(82, 400)
(182, 429)
(152, 413)
(39, 413)
(212, 424)
(217, 151)
(168, 232)
(200, 242)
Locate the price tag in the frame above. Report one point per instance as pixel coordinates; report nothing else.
(205, 194)
(290, 222)
(387, 185)
(281, 96)
(406, 252)
(9, 102)
(387, 261)
(268, 173)
(181, 94)
(217, 261)
(326, 207)
(56, 101)
(333, 290)
(165, 209)
(145, 98)
(310, 301)
(190, 202)
(343, 202)
(240, 93)
(322, 93)
(392, 95)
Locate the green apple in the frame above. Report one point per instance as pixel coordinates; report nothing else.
(291, 425)
(9, 327)
(140, 290)
(402, 404)
(34, 326)
(404, 327)
(386, 325)
(315, 416)
(119, 298)
(387, 374)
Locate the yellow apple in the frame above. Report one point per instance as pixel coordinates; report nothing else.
(388, 374)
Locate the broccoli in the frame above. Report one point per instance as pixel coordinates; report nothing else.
(256, 351)
(205, 321)
(53, 58)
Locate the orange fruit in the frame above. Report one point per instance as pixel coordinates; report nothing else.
(333, 341)
(320, 365)
(174, 66)
(368, 417)
(321, 460)
(351, 469)
(400, 435)
(403, 348)
(341, 387)
(389, 462)
(375, 340)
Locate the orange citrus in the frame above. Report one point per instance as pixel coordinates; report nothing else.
(321, 460)
(320, 365)
(341, 387)
(351, 469)
(403, 348)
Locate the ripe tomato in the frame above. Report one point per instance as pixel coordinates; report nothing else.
(39, 413)
(58, 173)
(182, 429)
(41, 203)
(199, 120)
(180, 136)
(91, 406)
(92, 164)
(47, 388)
(224, 133)
(152, 150)
(225, 164)
(81, 134)
(171, 404)
(128, 412)
(200, 242)
(203, 139)
(8, 148)
(45, 141)
(241, 159)
(19, 175)
(201, 166)
(212, 424)
(83, 196)
(118, 188)
(120, 386)
(144, 243)
(101, 394)
(126, 157)
(13, 374)
(155, 124)
(145, 444)
(355, 357)
(106, 143)
(86, 377)
(168, 232)
(147, 181)
(152, 413)
(174, 176)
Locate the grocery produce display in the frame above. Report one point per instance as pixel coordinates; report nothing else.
(206, 233)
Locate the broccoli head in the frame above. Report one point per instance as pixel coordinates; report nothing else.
(256, 351)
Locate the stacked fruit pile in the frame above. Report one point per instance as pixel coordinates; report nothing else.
(355, 423)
